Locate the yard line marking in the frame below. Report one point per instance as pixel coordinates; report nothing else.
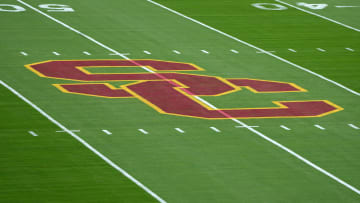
(179, 130)
(320, 49)
(143, 131)
(204, 51)
(320, 127)
(315, 14)
(119, 54)
(247, 126)
(234, 51)
(55, 53)
(62, 131)
(32, 133)
(86, 53)
(255, 47)
(107, 132)
(176, 52)
(284, 127)
(264, 52)
(200, 99)
(292, 50)
(24, 53)
(147, 52)
(103, 157)
(349, 49)
(354, 126)
(215, 129)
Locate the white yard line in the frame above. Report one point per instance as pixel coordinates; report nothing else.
(284, 127)
(320, 127)
(62, 131)
(200, 99)
(24, 53)
(33, 134)
(257, 48)
(107, 132)
(215, 129)
(143, 131)
(264, 52)
(315, 14)
(179, 130)
(354, 126)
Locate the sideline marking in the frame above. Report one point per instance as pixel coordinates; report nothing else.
(320, 49)
(107, 132)
(143, 131)
(24, 53)
(315, 14)
(204, 51)
(320, 127)
(215, 129)
(292, 50)
(103, 157)
(284, 127)
(234, 51)
(62, 131)
(147, 52)
(86, 53)
(354, 126)
(200, 99)
(179, 130)
(349, 49)
(255, 47)
(176, 52)
(55, 53)
(32, 133)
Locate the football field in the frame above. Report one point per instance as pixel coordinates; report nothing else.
(179, 101)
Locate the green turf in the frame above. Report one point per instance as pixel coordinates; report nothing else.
(200, 165)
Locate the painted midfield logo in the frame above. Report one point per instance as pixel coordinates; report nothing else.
(170, 92)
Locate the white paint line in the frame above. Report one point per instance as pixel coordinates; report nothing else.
(235, 120)
(24, 53)
(147, 52)
(204, 51)
(215, 129)
(257, 48)
(62, 131)
(354, 126)
(346, 6)
(86, 53)
(103, 157)
(284, 127)
(320, 127)
(320, 49)
(33, 134)
(234, 51)
(265, 52)
(56, 53)
(349, 49)
(315, 14)
(292, 50)
(179, 130)
(143, 131)
(176, 52)
(107, 132)
(247, 126)
(119, 54)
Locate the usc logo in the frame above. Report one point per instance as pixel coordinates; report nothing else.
(170, 92)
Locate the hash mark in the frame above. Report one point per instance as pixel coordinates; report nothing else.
(86, 53)
(354, 126)
(320, 49)
(32, 133)
(349, 49)
(204, 51)
(234, 51)
(320, 127)
(24, 53)
(292, 50)
(55, 53)
(215, 129)
(147, 52)
(179, 130)
(107, 132)
(176, 52)
(284, 127)
(143, 131)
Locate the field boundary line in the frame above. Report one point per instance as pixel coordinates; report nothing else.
(202, 100)
(87, 145)
(318, 15)
(257, 48)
